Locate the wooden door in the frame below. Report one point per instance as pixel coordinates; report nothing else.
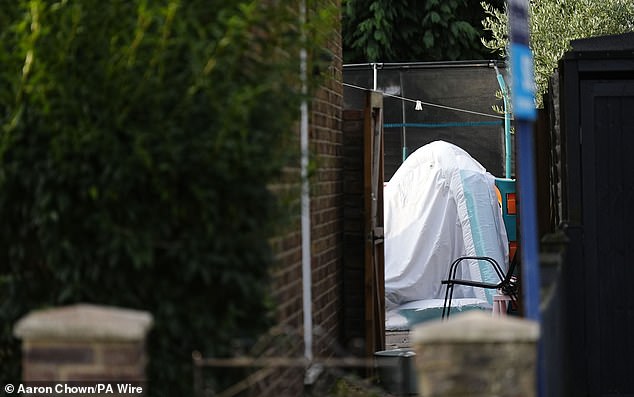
(373, 221)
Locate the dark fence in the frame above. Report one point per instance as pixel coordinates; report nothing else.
(587, 313)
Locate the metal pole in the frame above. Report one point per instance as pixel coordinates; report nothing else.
(529, 236)
(374, 76)
(307, 299)
(528, 218)
(507, 122)
(525, 114)
(403, 130)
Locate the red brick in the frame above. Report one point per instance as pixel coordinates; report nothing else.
(109, 374)
(60, 354)
(34, 372)
(327, 203)
(114, 355)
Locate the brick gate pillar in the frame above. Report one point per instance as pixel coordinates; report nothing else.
(84, 343)
(476, 355)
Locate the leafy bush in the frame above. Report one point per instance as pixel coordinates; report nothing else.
(412, 30)
(137, 142)
(553, 24)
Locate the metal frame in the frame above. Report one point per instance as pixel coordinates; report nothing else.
(507, 284)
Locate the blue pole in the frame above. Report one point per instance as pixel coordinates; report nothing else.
(507, 122)
(507, 137)
(525, 113)
(529, 235)
(528, 218)
(523, 96)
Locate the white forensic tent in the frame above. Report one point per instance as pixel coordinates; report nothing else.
(440, 204)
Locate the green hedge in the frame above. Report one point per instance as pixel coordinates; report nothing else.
(138, 139)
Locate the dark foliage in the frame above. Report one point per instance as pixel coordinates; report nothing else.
(413, 30)
(138, 139)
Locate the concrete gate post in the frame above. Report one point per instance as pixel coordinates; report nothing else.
(84, 343)
(474, 354)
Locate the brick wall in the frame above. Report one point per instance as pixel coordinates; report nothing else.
(326, 138)
(91, 361)
(326, 202)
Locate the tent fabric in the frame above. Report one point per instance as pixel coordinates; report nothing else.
(416, 312)
(440, 204)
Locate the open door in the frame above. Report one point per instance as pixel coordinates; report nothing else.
(373, 221)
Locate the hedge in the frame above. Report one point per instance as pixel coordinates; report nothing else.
(138, 142)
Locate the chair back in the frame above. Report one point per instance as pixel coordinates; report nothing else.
(509, 284)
